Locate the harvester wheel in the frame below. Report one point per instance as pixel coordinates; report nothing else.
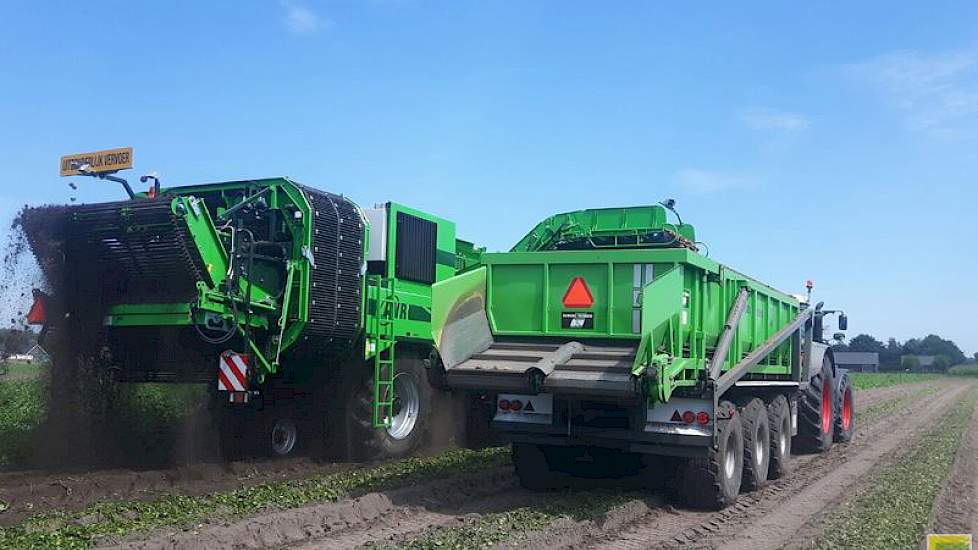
(283, 435)
(779, 422)
(713, 482)
(533, 467)
(845, 411)
(815, 412)
(757, 444)
(409, 423)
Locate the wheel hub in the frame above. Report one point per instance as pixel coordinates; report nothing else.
(407, 406)
(729, 464)
(284, 436)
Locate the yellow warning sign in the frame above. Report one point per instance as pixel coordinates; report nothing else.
(949, 542)
(99, 162)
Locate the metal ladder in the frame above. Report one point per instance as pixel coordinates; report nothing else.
(383, 338)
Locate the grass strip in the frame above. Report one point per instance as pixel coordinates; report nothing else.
(869, 380)
(84, 528)
(498, 527)
(894, 512)
(21, 411)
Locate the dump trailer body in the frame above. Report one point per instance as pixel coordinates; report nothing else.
(609, 332)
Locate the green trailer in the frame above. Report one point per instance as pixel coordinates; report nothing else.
(308, 315)
(605, 335)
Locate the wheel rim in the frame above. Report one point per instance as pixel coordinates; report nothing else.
(826, 407)
(407, 406)
(847, 410)
(783, 439)
(761, 443)
(284, 436)
(729, 464)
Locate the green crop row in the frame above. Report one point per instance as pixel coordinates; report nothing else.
(85, 528)
(970, 369)
(494, 528)
(894, 512)
(869, 380)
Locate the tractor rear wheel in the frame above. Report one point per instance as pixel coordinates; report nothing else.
(779, 422)
(845, 411)
(815, 412)
(757, 444)
(409, 422)
(713, 482)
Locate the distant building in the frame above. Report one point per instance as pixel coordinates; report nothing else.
(925, 363)
(858, 361)
(35, 355)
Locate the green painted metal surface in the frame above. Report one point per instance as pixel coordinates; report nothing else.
(670, 302)
(271, 305)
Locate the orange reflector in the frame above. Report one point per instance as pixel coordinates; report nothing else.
(515, 405)
(578, 295)
(38, 314)
(689, 417)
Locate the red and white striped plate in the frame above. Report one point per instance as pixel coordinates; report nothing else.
(233, 372)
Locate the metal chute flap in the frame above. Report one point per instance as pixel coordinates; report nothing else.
(459, 323)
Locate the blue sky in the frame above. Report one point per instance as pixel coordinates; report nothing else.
(836, 142)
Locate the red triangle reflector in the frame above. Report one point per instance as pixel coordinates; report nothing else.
(676, 417)
(578, 295)
(38, 314)
(529, 407)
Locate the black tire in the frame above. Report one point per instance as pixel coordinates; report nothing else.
(757, 444)
(845, 411)
(533, 467)
(815, 412)
(713, 482)
(369, 443)
(779, 422)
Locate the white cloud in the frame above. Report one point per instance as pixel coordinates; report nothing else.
(770, 119)
(299, 19)
(935, 92)
(699, 181)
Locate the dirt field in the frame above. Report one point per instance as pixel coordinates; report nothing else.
(484, 507)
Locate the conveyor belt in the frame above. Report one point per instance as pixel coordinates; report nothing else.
(138, 251)
(565, 368)
(336, 286)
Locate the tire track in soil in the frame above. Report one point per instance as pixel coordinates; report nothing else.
(956, 507)
(797, 520)
(668, 527)
(350, 522)
(30, 492)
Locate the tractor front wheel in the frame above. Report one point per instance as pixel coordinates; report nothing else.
(845, 411)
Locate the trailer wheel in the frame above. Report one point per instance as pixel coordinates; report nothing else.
(779, 421)
(815, 412)
(757, 444)
(533, 467)
(845, 411)
(410, 420)
(713, 482)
